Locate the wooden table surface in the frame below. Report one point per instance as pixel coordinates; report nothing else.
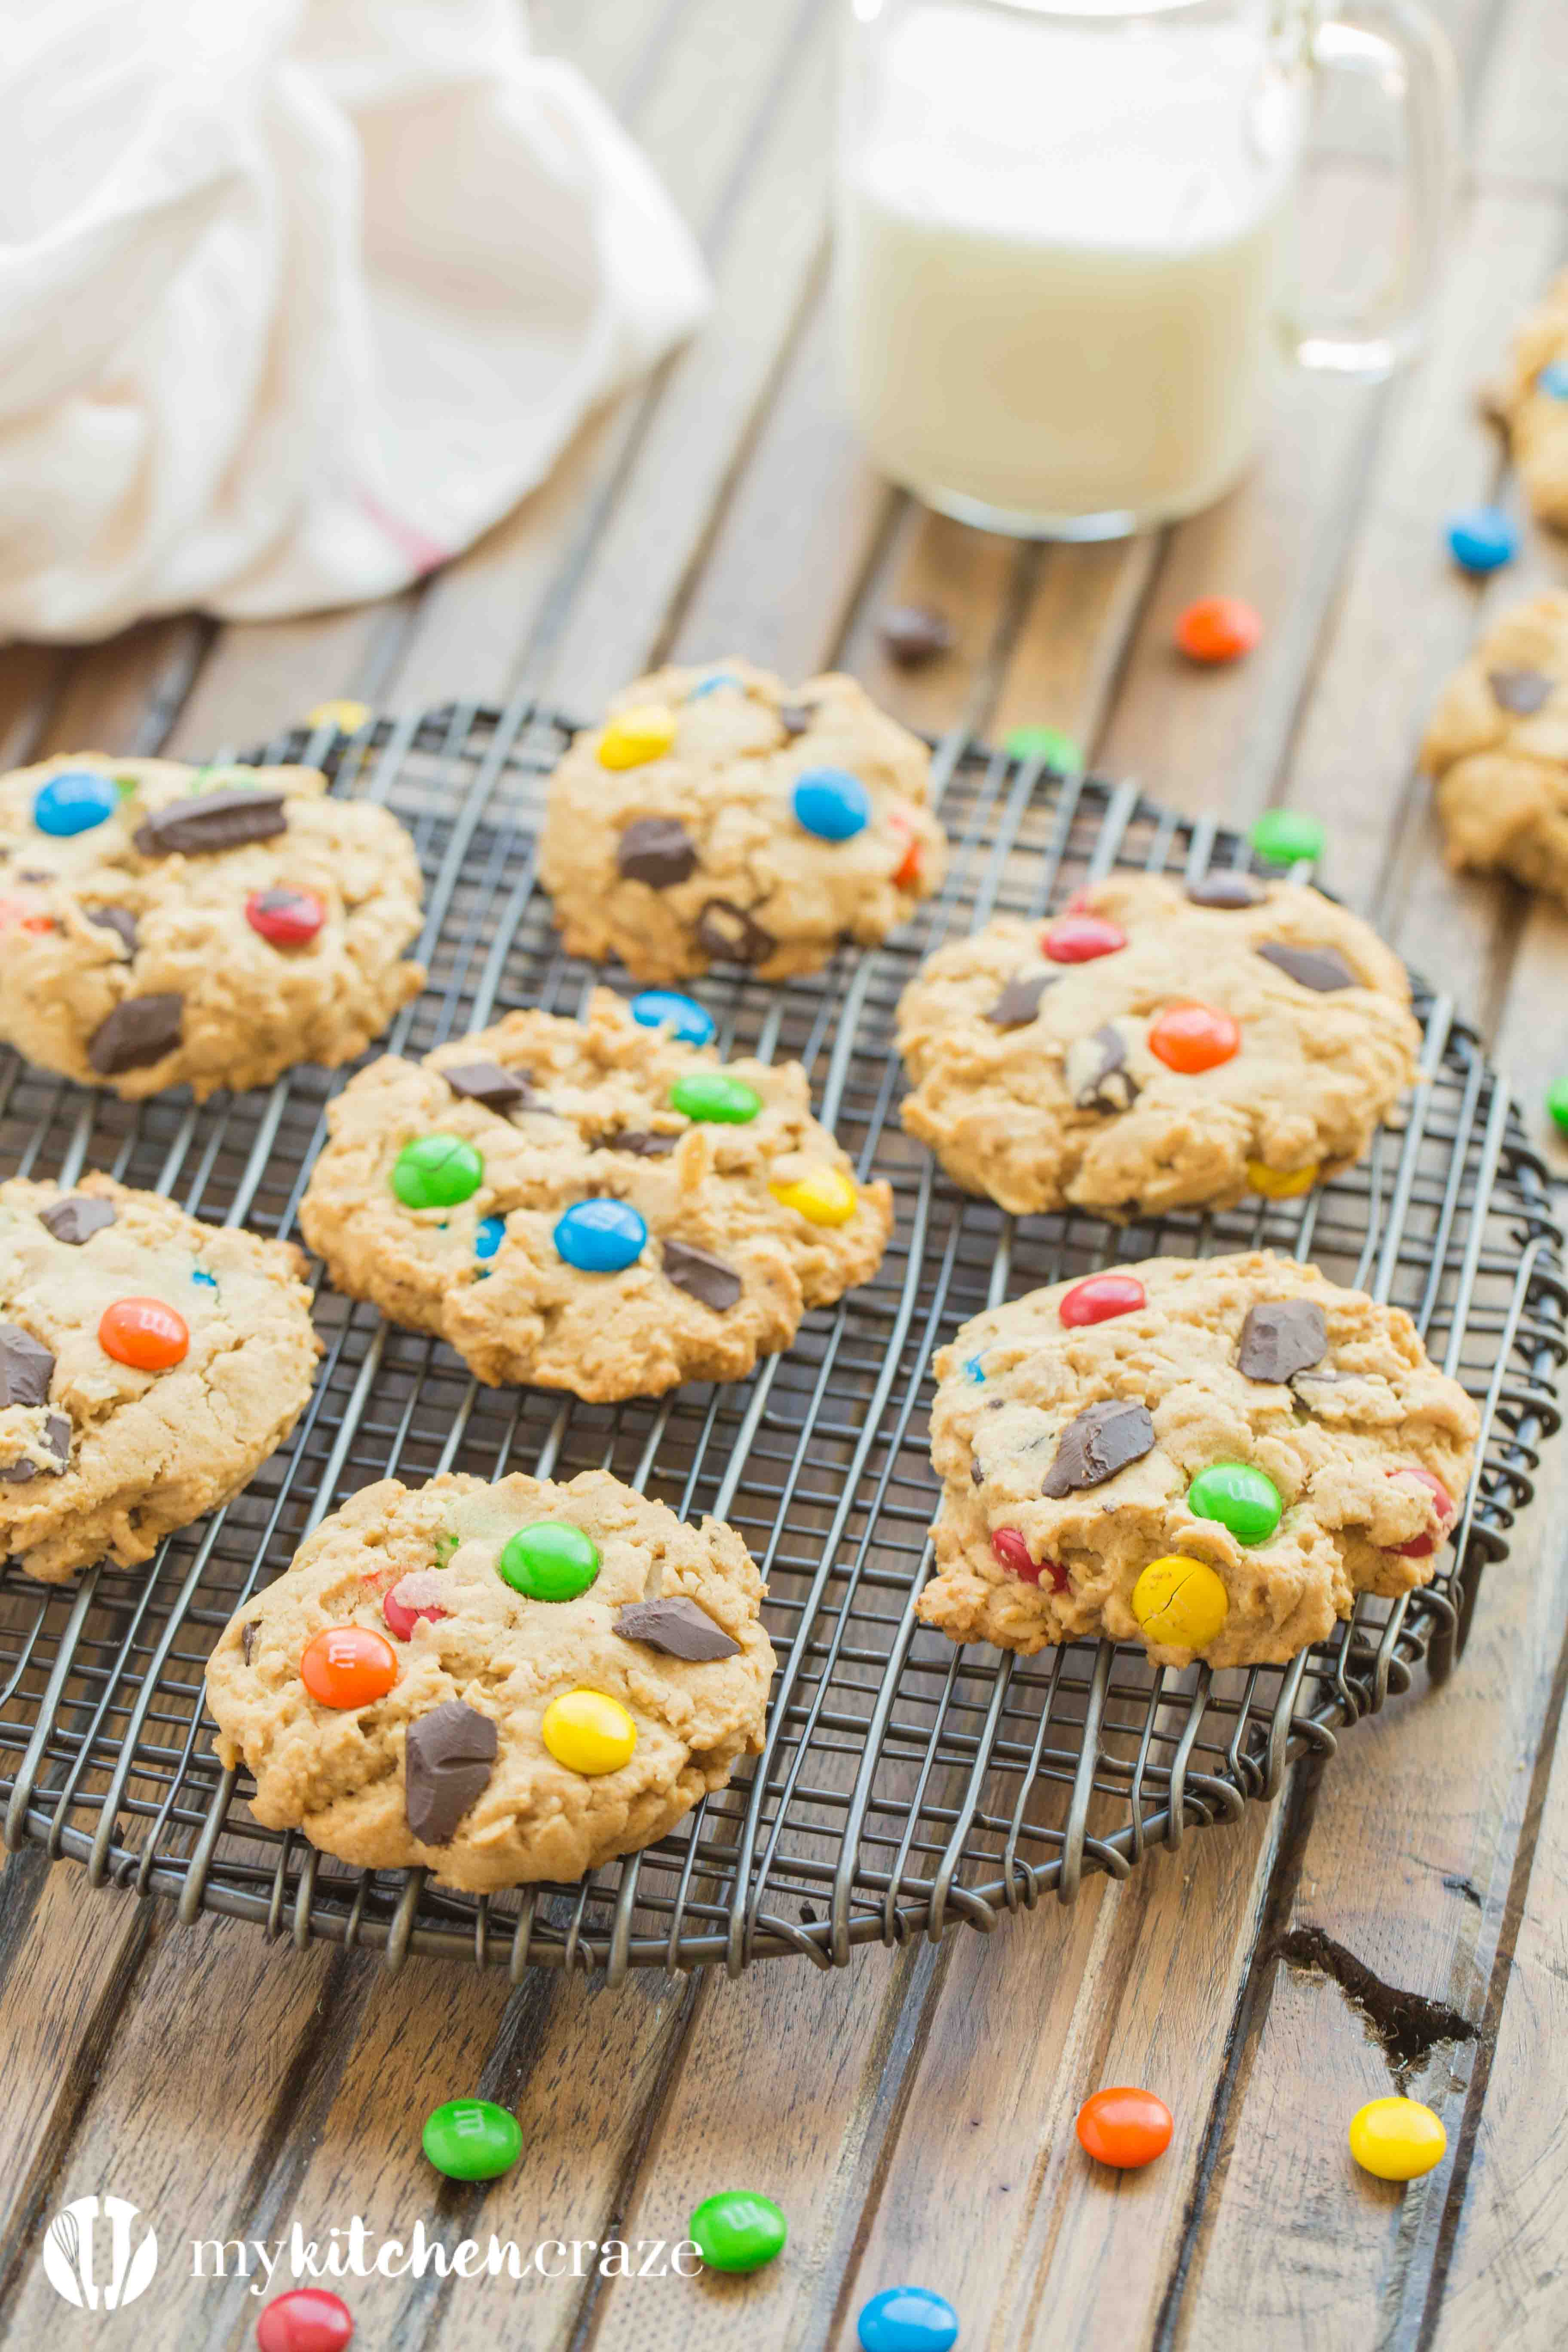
(914, 2112)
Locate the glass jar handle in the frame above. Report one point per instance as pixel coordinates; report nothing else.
(1397, 47)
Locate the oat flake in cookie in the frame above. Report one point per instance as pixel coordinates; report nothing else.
(493, 1737)
(1151, 1050)
(148, 1365)
(164, 925)
(719, 816)
(637, 1216)
(1145, 1476)
(1497, 745)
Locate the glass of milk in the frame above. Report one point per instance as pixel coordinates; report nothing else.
(1063, 236)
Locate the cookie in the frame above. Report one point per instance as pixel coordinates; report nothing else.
(1532, 402)
(1157, 1046)
(1209, 1456)
(148, 1365)
(168, 926)
(719, 816)
(497, 1682)
(597, 1207)
(1497, 745)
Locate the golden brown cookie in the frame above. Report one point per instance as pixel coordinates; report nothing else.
(1532, 401)
(1497, 745)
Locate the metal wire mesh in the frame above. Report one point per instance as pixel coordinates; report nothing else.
(907, 1785)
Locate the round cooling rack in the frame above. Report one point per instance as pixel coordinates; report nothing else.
(906, 1785)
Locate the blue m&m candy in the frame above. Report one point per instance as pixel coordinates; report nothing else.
(1482, 539)
(907, 2319)
(600, 1236)
(1554, 380)
(489, 1235)
(74, 802)
(832, 804)
(662, 1008)
(713, 682)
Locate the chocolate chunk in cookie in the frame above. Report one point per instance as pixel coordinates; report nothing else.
(705, 1276)
(1104, 1439)
(488, 1082)
(1225, 888)
(212, 821)
(1097, 1071)
(1522, 692)
(139, 1032)
(118, 919)
(678, 1627)
(449, 1756)
(1323, 969)
(27, 1367)
(656, 850)
(57, 1437)
(1282, 1337)
(76, 1218)
(641, 1141)
(728, 933)
(1019, 1002)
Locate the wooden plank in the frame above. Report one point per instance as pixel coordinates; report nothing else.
(1523, 100)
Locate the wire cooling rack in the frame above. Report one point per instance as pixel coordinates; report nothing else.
(906, 1785)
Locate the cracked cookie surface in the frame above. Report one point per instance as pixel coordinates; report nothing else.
(1532, 401)
(696, 852)
(1200, 1050)
(1497, 746)
(1251, 1362)
(544, 1116)
(97, 1456)
(450, 1762)
(209, 926)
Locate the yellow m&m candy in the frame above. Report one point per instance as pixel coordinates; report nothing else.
(589, 1732)
(348, 717)
(1280, 1183)
(822, 1196)
(1397, 2140)
(646, 732)
(1180, 1604)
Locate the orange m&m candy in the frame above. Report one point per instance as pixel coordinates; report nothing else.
(1124, 2126)
(25, 917)
(143, 1333)
(348, 1666)
(1217, 629)
(1194, 1037)
(906, 873)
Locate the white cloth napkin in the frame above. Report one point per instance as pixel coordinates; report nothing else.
(297, 297)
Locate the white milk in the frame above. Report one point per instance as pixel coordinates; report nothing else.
(1059, 255)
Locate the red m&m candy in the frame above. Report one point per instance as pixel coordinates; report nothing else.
(143, 1333)
(310, 2319)
(1012, 1552)
(1080, 938)
(348, 1666)
(1192, 1037)
(1124, 2126)
(285, 917)
(1423, 1547)
(415, 1595)
(1100, 1297)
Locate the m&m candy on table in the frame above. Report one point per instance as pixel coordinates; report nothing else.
(823, 1196)
(1287, 837)
(637, 736)
(1397, 2140)
(1217, 629)
(1180, 1604)
(551, 1560)
(1243, 1500)
(1124, 2126)
(1557, 1103)
(1057, 750)
(715, 1096)
(1482, 539)
(907, 2319)
(472, 2140)
(600, 1236)
(831, 803)
(738, 2229)
(285, 917)
(1191, 1038)
(348, 1666)
(436, 1172)
(1100, 1297)
(1081, 939)
(589, 1732)
(662, 1008)
(74, 802)
(308, 2319)
(143, 1333)
(348, 717)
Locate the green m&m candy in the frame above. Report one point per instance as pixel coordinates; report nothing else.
(1557, 1103)
(436, 1172)
(472, 2140)
(1240, 1497)
(1284, 836)
(550, 1561)
(715, 1095)
(1057, 750)
(738, 2229)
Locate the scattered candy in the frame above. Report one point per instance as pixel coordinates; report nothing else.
(308, 2319)
(1557, 1103)
(637, 736)
(738, 2229)
(1191, 1038)
(1397, 2140)
(1181, 1604)
(823, 1196)
(662, 1008)
(1100, 1297)
(1047, 743)
(436, 1172)
(600, 1236)
(831, 803)
(1423, 1547)
(551, 1560)
(472, 2140)
(1218, 629)
(74, 802)
(1280, 1183)
(348, 717)
(1482, 539)
(1287, 837)
(348, 1666)
(415, 1595)
(715, 1095)
(1124, 2126)
(1011, 1549)
(907, 2319)
(912, 635)
(713, 681)
(143, 1333)
(1554, 380)
(285, 917)
(1080, 939)
(589, 1732)
(1240, 1497)
(489, 1235)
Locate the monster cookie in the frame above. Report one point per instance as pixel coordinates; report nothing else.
(601, 1208)
(148, 1366)
(1210, 1457)
(1532, 402)
(166, 925)
(1157, 1044)
(719, 817)
(1497, 747)
(497, 1682)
